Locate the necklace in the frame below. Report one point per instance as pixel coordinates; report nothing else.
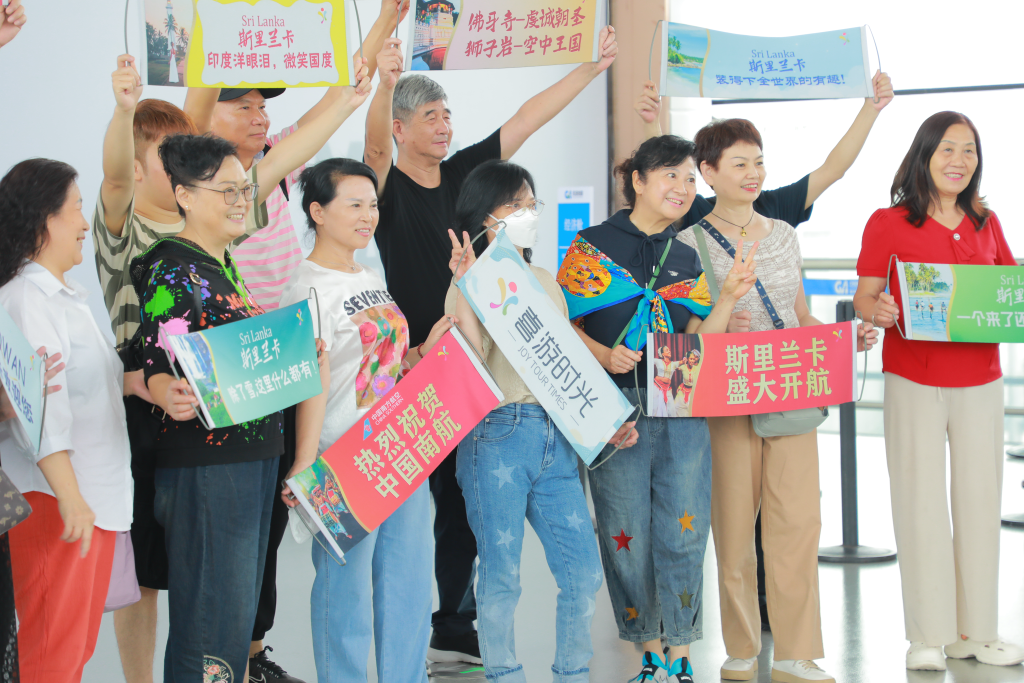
(351, 266)
(743, 228)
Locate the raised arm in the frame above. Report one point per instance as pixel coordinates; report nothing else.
(380, 119)
(391, 13)
(544, 106)
(12, 18)
(648, 107)
(199, 104)
(845, 153)
(118, 186)
(299, 147)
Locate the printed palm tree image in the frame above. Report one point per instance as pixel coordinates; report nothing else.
(168, 25)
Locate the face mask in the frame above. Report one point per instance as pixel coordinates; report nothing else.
(522, 230)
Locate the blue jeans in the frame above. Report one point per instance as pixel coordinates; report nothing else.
(653, 505)
(396, 560)
(216, 523)
(519, 467)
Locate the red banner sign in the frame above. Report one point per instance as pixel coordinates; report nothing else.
(377, 464)
(708, 375)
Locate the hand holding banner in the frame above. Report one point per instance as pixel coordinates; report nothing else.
(377, 464)
(251, 368)
(748, 373)
(699, 62)
(541, 345)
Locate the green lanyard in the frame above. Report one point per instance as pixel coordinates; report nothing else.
(657, 271)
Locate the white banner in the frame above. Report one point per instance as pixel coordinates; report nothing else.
(540, 343)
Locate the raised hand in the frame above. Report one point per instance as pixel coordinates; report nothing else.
(390, 63)
(361, 91)
(395, 10)
(741, 278)
(609, 48)
(739, 322)
(463, 264)
(867, 336)
(883, 90)
(648, 105)
(12, 18)
(127, 84)
(886, 311)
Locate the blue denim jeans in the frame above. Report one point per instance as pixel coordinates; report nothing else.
(216, 523)
(516, 467)
(653, 505)
(396, 561)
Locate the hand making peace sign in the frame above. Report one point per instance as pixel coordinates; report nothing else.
(741, 278)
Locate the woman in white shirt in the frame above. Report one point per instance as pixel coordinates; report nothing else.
(79, 482)
(367, 342)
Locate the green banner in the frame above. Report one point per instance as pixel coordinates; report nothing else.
(251, 368)
(961, 303)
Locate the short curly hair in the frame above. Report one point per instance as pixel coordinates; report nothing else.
(188, 158)
(31, 192)
(654, 153)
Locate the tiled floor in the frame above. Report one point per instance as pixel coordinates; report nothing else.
(861, 606)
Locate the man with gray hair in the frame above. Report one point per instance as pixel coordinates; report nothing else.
(417, 195)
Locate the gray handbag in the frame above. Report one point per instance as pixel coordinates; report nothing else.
(14, 509)
(766, 425)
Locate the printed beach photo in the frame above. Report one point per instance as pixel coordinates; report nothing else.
(168, 26)
(929, 290)
(687, 47)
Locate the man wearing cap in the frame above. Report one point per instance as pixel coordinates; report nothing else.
(267, 259)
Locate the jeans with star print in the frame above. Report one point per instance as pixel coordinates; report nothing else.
(516, 467)
(653, 507)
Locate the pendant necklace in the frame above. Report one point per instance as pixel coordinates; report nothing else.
(743, 228)
(351, 266)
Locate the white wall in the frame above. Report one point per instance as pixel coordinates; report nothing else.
(56, 101)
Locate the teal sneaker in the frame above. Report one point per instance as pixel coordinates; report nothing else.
(680, 671)
(653, 670)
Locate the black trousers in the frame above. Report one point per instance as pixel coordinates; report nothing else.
(454, 554)
(266, 608)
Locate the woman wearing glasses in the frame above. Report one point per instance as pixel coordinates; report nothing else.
(517, 466)
(214, 488)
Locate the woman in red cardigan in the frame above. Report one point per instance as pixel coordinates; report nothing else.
(940, 390)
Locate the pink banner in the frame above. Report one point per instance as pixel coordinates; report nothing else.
(708, 375)
(378, 463)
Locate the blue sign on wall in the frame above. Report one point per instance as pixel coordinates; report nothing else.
(829, 287)
(575, 212)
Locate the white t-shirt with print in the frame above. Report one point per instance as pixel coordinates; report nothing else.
(366, 335)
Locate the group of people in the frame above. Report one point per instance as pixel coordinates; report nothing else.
(192, 231)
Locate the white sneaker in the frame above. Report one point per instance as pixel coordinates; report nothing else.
(996, 652)
(736, 669)
(921, 657)
(798, 671)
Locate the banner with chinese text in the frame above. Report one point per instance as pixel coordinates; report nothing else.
(699, 62)
(541, 345)
(715, 375)
(22, 373)
(961, 303)
(251, 368)
(246, 43)
(493, 34)
(377, 464)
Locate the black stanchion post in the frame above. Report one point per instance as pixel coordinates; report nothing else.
(851, 551)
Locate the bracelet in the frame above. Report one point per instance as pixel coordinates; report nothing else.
(419, 349)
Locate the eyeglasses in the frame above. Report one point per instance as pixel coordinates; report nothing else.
(519, 209)
(231, 194)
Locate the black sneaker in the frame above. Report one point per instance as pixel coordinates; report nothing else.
(263, 670)
(444, 649)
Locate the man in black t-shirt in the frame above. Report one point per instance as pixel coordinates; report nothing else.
(417, 195)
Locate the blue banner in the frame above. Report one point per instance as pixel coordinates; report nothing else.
(21, 371)
(699, 62)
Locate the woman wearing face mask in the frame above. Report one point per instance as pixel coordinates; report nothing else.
(623, 279)
(214, 488)
(383, 591)
(517, 466)
(950, 579)
(78, 481)
(779, 475)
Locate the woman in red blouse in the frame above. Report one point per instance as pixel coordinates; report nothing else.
(949, 576)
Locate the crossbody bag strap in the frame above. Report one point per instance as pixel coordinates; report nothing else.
(777, 322)
(657, 271)
(705, 262)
